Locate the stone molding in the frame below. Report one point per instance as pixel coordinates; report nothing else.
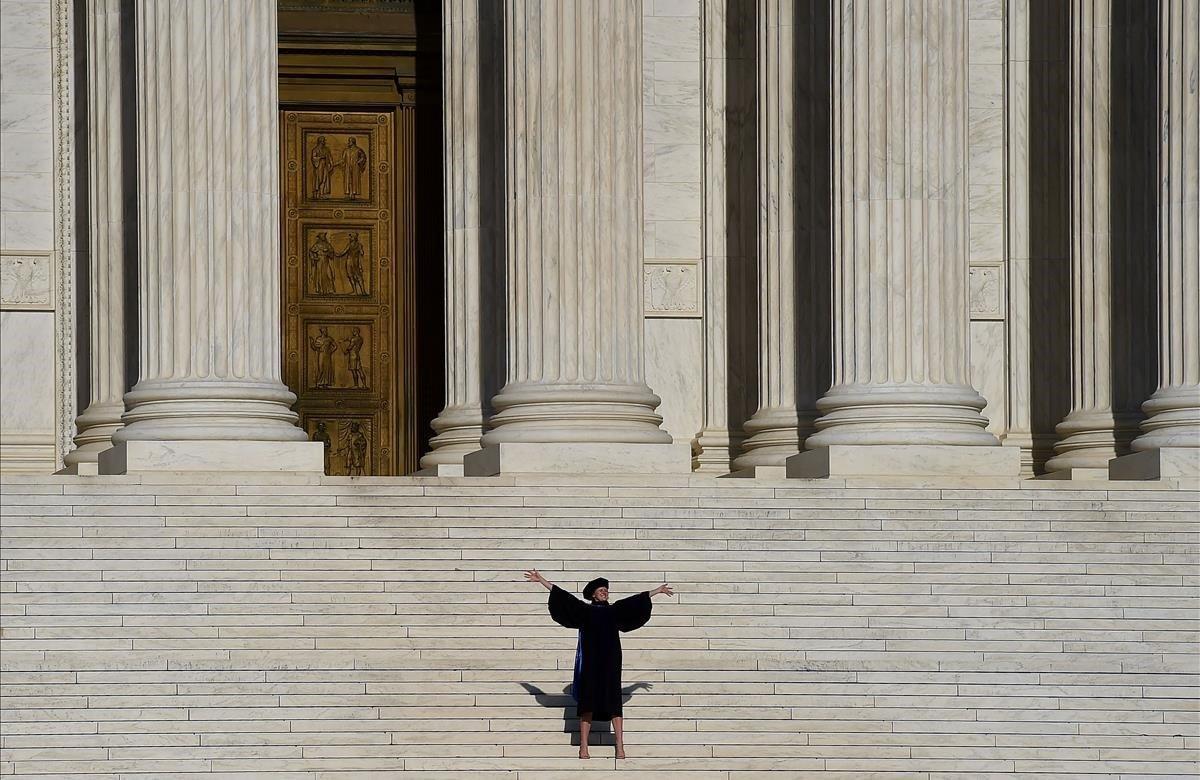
(64, 236)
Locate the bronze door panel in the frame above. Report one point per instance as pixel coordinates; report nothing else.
(340, 285)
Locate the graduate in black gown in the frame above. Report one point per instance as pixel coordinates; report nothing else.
(597, 682)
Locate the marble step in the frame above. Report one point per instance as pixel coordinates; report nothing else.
(336, 628)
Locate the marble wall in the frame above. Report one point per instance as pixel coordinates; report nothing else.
(672, 106)
(34, 164)
(988, 272)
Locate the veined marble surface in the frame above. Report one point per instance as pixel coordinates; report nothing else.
(673, 100)
(34, 359)
(27, 378)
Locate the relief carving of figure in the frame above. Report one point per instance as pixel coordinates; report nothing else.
(353, 255)
(354, 449)
(320, 268)
(352, 347)
(322, 163)
(321, 434)
(324, 345)
(353, 165)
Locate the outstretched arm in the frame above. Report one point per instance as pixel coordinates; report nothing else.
(664, 588)
(533, 575)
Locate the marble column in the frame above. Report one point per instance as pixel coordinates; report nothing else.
(106, 240)
(209, 395)
(576, 398)
(1170, 441)
(901, 402)
(1095, 430)
(774, 431)
(729, 103)
(461, 423)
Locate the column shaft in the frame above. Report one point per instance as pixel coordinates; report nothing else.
(1089, 429)
(574, 233)
(460, 425)
(900, 322)
(774, 432)
(106, 239)
(1173, 411)
(208, 176)
(729, 202)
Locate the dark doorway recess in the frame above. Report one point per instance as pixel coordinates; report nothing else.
(361, 227)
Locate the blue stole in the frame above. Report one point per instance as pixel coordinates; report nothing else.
(578, 667)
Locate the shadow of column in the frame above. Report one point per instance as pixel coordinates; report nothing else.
(428, 221)
(1134, 182)
(493, 295)
(1049, 223)
(813, 209)
(741, 217)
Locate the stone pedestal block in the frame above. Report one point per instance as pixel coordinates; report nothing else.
(139, 457)
(579, 458)
(1077, 473)
(910, 460)
(1164, 463)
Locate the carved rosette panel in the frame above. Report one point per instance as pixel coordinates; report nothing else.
(339, 287)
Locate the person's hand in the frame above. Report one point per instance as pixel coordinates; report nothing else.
(664, 588)
(533, 575)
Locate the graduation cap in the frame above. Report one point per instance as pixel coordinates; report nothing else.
(589, 590)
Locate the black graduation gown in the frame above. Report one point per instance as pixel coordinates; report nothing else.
(598, 660)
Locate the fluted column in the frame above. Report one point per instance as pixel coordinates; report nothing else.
(1171, 432)
(209, 391)
(1089, 431)
(900, 372)
(729, 211)
(574, 241)
(773, 433)
(106, 238)
(461, 423)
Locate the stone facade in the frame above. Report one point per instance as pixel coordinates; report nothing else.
(780, 279)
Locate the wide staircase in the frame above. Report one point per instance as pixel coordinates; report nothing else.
(334, 628)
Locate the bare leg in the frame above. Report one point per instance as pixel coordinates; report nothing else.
(618, 724)
(585, 728)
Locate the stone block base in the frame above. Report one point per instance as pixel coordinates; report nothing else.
(441, 470)
(1165, 463)
(139, 457)
(568, 458)
(912, 460)
(1077, 474)
(86, 468)
(762, 472)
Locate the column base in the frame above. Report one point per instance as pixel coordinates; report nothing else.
(139, 457)
(713, 450)
(1162, 463)
(905, 460)
(578, 458)
(459, 429)
(773, 434)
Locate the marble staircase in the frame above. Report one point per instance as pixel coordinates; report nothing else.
(267, 627)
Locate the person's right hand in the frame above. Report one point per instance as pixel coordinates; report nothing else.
(533, 575)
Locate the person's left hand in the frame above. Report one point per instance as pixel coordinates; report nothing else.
(664, 588)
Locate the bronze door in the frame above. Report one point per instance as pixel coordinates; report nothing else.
(340, 286)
